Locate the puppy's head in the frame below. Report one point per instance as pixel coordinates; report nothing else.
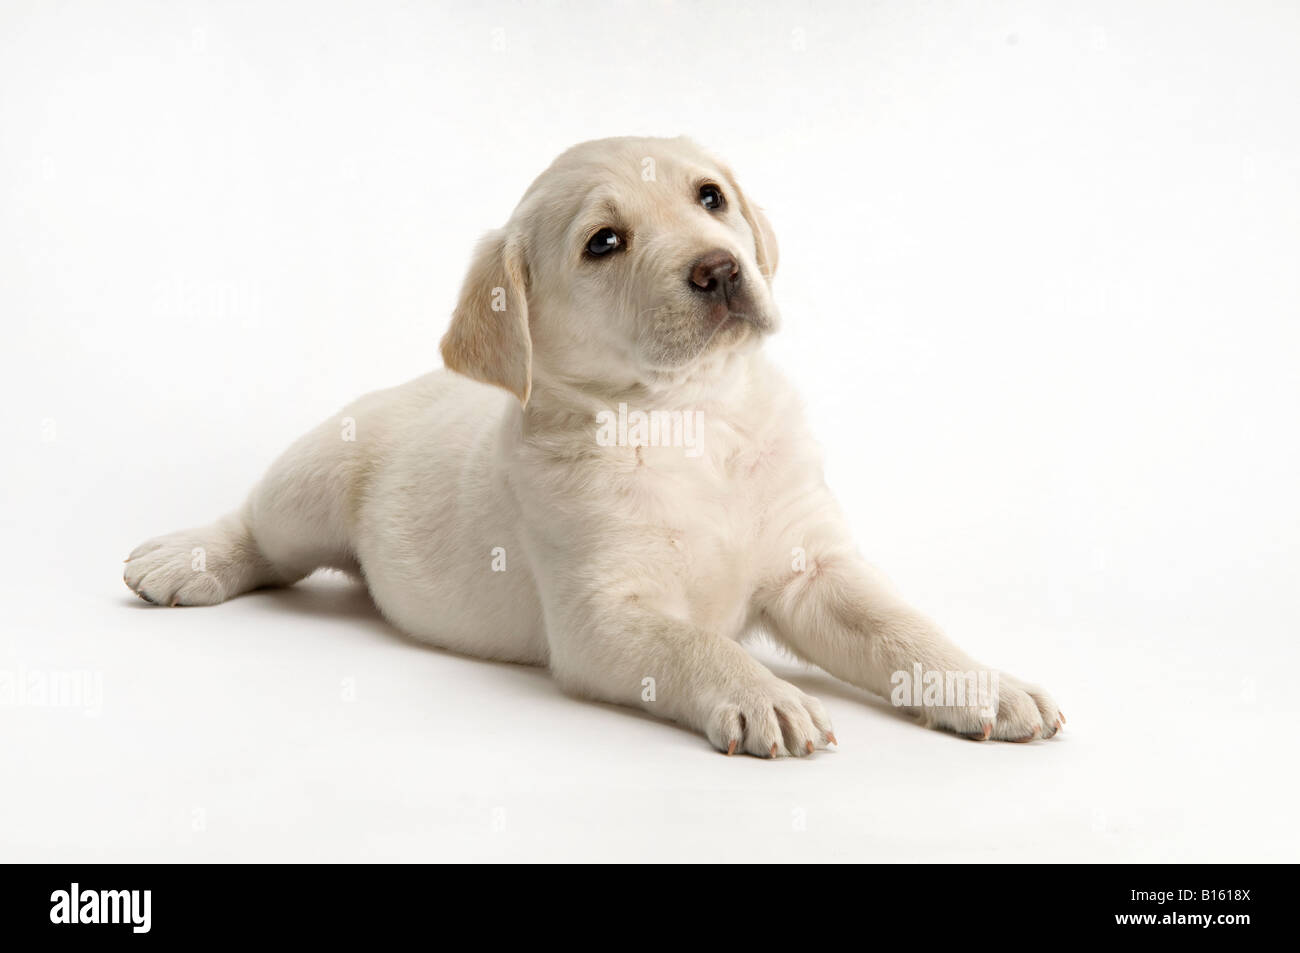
(627, 260)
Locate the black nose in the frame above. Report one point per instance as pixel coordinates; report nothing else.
(716, 274)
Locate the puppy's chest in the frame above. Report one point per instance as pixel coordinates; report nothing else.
(708, 504)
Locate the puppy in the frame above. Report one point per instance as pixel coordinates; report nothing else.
(610, 480)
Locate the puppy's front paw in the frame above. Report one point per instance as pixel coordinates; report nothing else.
(1023, 712)
(769, 719)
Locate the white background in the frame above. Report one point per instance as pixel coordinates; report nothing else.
(1039, 283)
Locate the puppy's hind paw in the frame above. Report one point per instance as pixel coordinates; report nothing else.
(198, 567)
(173, 571)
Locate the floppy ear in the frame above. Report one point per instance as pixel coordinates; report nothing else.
(766, 251)
(488, 339)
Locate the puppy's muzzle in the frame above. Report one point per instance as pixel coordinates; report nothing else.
(716, 280)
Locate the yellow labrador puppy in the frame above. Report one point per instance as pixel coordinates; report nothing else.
(610, 479)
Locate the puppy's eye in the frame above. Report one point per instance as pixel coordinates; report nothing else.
(603, 242)
(711, 197)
